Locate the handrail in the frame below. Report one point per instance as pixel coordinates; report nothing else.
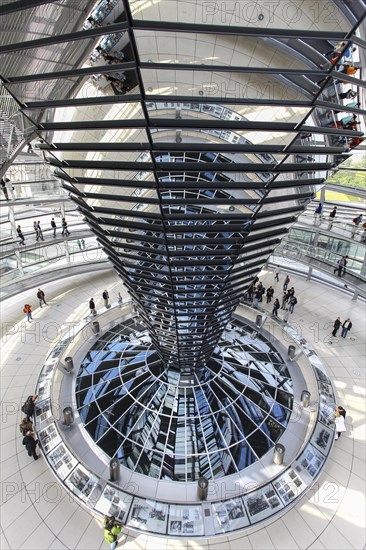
(40, 278)
(13, 129)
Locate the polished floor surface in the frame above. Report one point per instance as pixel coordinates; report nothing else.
(37, 513)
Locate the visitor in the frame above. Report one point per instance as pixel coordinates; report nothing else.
(337, 324)
(346, 327)
(31, 444)
(29, 406)
(276, 306)
(93, 311)
(20, 235)
(339, 420)
(332, 215)
(54, 227)
(105, 297)
(111, 530)
(28, 311)
(41, 297)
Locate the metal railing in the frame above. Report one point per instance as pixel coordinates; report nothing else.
(14, 126)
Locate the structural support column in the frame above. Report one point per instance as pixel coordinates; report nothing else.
(19, 262)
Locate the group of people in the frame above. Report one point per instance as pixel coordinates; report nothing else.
(111, 527)
(107, 305)
(257, 291)
(104, 51)
(26, 427)
(99, 14)
(42, 301)
(346, 327)
(318, 217)
(341, 57)
(289, 299)
(39, 233)
(112, 58)
(339, 52)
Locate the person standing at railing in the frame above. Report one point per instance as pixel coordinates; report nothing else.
(105, 297)
(318, 214)
(35, 229)
(363, 236)
(39, 231)
(337, 48)
(65, 231)
(348, 94)
(356, 222)
(54, 227)
(345, 258)
(8, 189)
(20, 235)
(93, 311)
(332, 215)
(4, 188)
(340, 265)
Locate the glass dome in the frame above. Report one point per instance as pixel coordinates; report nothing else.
(160, 422)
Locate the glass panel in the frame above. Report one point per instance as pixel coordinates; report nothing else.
(244, 14)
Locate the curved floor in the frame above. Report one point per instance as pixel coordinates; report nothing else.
(37, 513)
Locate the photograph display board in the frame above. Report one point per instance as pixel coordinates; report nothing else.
(47, 372)
(262, 503)
(326, 414)
(322, 438)
(61, 460)
(148, 515)
(82, 483)
(43, 411)
(44, 389)
(185, 520)
(229, 515)
(49, 437)
(289, 486)
(310, 462)
(115, 503)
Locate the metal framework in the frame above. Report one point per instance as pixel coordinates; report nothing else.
(188, 194)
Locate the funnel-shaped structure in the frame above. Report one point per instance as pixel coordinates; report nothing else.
(189, 148)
